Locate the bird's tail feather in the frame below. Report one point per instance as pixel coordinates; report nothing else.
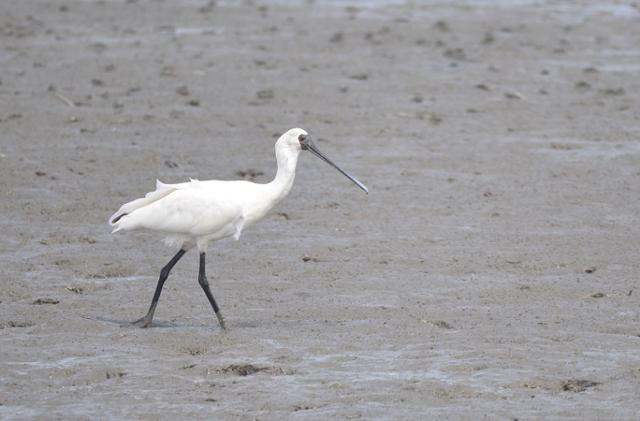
(161, 191)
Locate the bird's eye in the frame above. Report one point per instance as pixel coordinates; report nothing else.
(302, 138)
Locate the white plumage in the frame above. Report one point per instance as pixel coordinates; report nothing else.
(197, 212)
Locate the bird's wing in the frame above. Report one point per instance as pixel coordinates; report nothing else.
(193, 209)
(162, 190)
(164, 186)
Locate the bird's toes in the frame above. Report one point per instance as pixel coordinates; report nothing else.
(143, 323)
(221, 321)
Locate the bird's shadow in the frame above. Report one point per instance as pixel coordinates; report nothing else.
(249, 324)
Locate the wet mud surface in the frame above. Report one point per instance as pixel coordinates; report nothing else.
(491, 271)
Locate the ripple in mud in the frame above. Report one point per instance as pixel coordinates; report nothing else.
(109, 273)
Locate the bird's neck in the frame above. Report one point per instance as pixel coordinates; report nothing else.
(282, 183)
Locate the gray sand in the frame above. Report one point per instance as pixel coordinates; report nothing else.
(492, 271)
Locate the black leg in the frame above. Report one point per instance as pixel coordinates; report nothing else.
(164, 274)
(202, 280)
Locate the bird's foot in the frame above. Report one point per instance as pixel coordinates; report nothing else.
(145, 322)
(221, 321)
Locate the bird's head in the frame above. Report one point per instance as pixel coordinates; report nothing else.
(297, 140)
(293, 139)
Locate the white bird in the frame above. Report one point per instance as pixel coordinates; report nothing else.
(197, 212)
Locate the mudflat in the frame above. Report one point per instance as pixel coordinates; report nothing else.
(492, 271)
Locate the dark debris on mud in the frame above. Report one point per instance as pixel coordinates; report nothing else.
(16, 323)
(249, 369)
(249, 174)
(41, 301)
(577, 385)
(114, 374)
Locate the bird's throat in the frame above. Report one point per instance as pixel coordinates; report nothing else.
(283, 181)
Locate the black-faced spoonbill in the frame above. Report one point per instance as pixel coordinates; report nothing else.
(197, 212)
